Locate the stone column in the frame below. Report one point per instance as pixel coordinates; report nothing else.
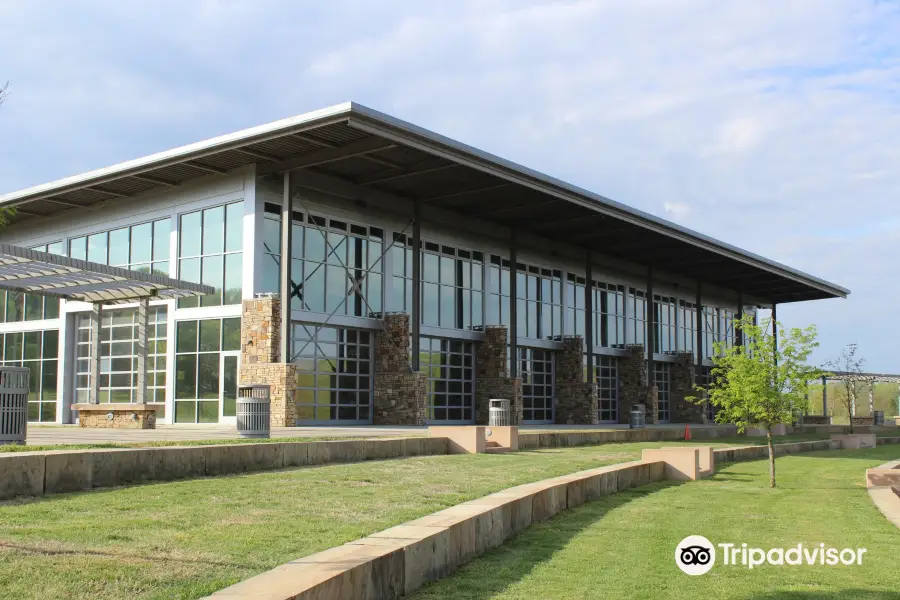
(260, 338)
(681, 410)
(400, 393)
(576, 399)
(633, 388)
(492, 378)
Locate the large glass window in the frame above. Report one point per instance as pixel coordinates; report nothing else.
(39, 351)
(606, 369)
(536, 371)
(19, 306)
(575, 305)
(334, 373)
(538, 299)
(210, 252)
(635, 332)
(718, 326)
(609, 315)
(687, 327)
(337, 265)
(451, 379)
(452, 283)
(664, 342)
(143, 247)
(199, 345)
(118, 346)
(662, 377)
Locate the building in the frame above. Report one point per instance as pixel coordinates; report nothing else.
(531, 289)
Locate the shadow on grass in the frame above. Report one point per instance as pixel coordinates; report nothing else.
(142, 557)
(521, 554)
(849, 594)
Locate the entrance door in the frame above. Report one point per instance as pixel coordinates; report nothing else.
(228, 381)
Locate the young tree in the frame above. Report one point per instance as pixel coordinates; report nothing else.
(4, 92)
(761, 383)
(850, 366)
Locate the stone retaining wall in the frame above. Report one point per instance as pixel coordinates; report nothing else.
(399, 560)
(564, 439)
(40, 473)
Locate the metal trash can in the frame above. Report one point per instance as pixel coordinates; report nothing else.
(253, 408)
(878, 417)
(498, 413)
(636, 419)
(13, 404)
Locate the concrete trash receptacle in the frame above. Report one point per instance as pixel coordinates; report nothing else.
(498, 413)
(253, 409)
(13, 404)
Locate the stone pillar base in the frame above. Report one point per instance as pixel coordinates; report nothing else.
(282, 381)
(576, 404)
(116, 415)
(400, 398)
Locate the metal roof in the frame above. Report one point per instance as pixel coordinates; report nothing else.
(363, 153)
(48, 274)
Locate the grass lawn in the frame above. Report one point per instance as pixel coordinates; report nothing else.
(623, 546)
(187, 539)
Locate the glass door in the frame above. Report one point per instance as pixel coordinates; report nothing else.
(228, 378)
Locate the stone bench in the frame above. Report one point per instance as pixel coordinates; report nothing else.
(116, 415)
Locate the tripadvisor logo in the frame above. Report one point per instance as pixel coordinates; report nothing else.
(696, 555)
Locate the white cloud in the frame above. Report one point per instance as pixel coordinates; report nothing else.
(771, 124)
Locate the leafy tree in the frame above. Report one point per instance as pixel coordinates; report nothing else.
(851, 367)
(759, 383)
(4, 92)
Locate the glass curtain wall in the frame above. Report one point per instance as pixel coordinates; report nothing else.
(210, 252)
(19, 306)
(664, 342)
(538, 299)
(687, 327)
(662, 377)
(609, 315)
(451, 379)
(635, 329)
(337, 265)
(574, 305)
(39, 351)
(199, 345)
(452, 284)
(334, 373)
(606, 375)
(536, 371)
(118, 344)
(143, 247)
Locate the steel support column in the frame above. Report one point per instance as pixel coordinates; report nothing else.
(589, 318)
(650, 319)
(287, 234)
(775, 332)
(416, 308)
(824, 396)
(513, 307)
(96, 318)
(738, 332)
(143, 311)
(701, 325)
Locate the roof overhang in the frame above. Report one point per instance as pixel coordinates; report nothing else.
(47, 274)
(367, 152)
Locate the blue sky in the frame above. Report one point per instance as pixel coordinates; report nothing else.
(772, 125)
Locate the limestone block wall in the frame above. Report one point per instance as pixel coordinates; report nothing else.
(400, 394)
(576, 399)
(260, 342)
(492, 378)
(681, 410)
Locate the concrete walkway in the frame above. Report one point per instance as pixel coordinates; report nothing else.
(43, 435)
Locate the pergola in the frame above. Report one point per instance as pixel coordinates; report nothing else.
(33, 272)
(866, 378)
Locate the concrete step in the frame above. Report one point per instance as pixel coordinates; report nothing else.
(497, 449)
